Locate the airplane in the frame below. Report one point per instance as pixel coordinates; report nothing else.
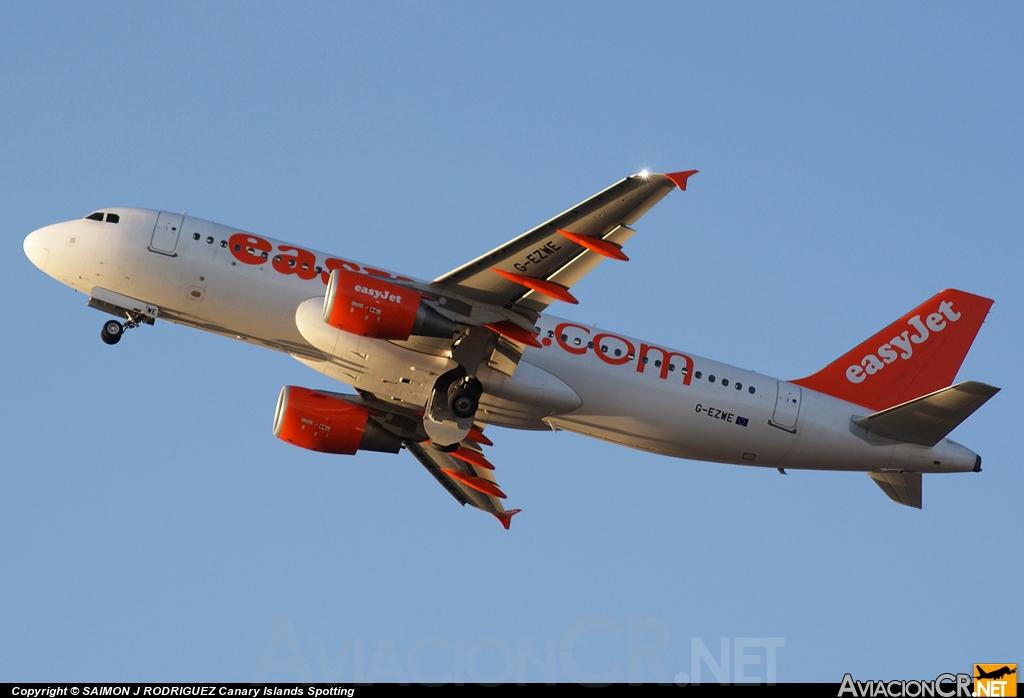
(996, 673)
(435, 362)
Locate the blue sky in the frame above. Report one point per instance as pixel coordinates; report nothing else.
(854, 160)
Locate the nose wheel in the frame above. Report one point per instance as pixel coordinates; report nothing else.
(112, 329)
(111, 332)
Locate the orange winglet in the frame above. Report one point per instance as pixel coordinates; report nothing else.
(477, 483)
(602, 247)
(515, 333)
(478, 436)
(548, 288)
(506, 518)
(472, 457)
(679, 178)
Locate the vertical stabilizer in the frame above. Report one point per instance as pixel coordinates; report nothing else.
(918, 354)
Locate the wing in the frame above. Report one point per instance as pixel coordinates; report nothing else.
(464, 472)
(467, 476)
(544, 263)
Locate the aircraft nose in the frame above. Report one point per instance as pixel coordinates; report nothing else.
(37, 247)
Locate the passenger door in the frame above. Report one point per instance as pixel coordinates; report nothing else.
(165, 234)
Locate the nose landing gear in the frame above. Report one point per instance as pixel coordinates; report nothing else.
(111, 332)
(112, 329)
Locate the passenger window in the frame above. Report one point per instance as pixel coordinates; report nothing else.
(195, 236)
(576, 341)
(223, 243)
(604, 349)
(318, 270)
(750, 390)
(265, 255)
(238, 248)
(590, 345)
(551, 333)
(643, 360)
(113, 218)
(618, 352)
(98, 216)
(725, 382)
(711, 379)
(209, 240)
(305, 265)
(657, 363)
(291, 262)
(696, 375)
(739, 386)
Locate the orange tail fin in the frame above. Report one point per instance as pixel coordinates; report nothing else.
(916, 355)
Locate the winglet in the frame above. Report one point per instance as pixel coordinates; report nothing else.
(679, 178)
(506, 518)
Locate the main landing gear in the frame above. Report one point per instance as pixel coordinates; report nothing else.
(112, 329)
(464, 397)
(455, 398)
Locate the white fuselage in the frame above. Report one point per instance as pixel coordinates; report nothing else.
(584, 379)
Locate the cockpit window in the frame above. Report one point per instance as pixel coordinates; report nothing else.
(98, 216)
(113, 218)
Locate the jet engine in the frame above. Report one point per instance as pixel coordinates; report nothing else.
(326, 423)
(372, 307)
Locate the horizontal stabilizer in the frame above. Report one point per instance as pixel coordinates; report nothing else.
(927, 420)
(902, 488)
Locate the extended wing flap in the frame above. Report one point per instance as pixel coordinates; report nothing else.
(902, 488)
(928, 419)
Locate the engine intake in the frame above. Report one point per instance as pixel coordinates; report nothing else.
(322, 422)
(372, 307)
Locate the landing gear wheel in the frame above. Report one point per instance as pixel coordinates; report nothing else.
(111, 332)
(464, 397)
(464, 405)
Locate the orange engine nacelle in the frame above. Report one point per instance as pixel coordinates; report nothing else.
(322, 422)
(372, 307)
